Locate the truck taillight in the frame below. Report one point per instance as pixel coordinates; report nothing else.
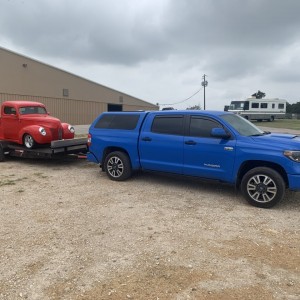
(89, 140)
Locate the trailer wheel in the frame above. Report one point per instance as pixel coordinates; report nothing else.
(28, 141)
(2, 157)
(263, 187)
(117, 166)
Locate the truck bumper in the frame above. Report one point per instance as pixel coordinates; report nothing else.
(294, 182)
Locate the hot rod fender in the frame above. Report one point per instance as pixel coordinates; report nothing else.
(33, 130)
(66, 132)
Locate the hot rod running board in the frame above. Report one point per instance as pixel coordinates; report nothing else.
(57, 149)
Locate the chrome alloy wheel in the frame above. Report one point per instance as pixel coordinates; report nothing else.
(28, 141)
(115, 167)
(261, 188)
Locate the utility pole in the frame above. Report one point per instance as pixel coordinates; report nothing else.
(204, 84)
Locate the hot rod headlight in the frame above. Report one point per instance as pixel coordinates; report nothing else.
(71, 129)
(293, 155)
(42, 131)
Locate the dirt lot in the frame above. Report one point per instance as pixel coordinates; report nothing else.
(68, 232)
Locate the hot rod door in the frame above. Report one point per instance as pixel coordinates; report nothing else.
(10, 123)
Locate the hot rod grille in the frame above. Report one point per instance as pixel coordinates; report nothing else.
(57, 133)
(60, 133)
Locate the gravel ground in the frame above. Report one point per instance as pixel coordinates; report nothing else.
(68, 232)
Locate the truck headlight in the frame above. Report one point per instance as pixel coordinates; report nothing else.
(42, 131)
(293, 155)
(71, 129)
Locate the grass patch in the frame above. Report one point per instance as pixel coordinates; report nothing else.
(41, 175)
(7, 182)
(284, 123)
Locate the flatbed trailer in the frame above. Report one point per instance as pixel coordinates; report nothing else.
(57, 149)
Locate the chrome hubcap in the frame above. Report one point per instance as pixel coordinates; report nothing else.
(28, 141)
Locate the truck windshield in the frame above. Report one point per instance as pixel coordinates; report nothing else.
(242, 126)
(29, 110)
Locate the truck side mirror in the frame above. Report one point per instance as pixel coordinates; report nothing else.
(219, 133)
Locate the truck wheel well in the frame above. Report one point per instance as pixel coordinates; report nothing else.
(248, 165)
(110, 150)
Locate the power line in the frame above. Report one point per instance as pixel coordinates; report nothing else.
(184, 99)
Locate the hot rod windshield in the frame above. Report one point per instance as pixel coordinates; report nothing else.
(29, 110)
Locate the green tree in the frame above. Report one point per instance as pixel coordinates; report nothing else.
(293, 108)
(194, 107)
(259, 95)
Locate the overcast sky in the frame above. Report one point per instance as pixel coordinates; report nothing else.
(158, 50)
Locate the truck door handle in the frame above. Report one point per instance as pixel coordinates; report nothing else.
(146, 139)
(190, 143)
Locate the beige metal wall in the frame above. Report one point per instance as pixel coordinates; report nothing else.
(70, 111)
(22, 78)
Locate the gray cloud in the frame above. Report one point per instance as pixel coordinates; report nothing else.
(231, 40)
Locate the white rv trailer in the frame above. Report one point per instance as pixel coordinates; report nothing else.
(259, 109)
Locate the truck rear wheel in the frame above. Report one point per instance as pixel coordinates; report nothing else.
(263, 187)
(29, 141)
(117, 166)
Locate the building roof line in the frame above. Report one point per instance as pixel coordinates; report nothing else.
(72, 74)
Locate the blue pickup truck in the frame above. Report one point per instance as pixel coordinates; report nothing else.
(206, 144)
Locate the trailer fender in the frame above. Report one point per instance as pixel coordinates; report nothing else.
(2, 157)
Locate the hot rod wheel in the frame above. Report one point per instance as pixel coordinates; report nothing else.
(29, 141)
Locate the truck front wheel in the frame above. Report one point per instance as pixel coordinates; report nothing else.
(117, 166)
(263, 187)
(28, 141)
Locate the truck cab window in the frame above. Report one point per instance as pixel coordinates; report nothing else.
(168, 125)
(8, 110)
(201, 127)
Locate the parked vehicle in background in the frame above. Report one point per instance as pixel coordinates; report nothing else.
(28, 123)
(259, 109)
(206, 144)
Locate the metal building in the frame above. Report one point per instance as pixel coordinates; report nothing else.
(69, 97)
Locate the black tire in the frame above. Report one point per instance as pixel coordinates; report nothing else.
(28, 141)
(117, 166)
(263, 187)
(272, 119)
(2, 156)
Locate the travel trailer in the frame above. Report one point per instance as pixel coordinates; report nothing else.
(259, 109)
